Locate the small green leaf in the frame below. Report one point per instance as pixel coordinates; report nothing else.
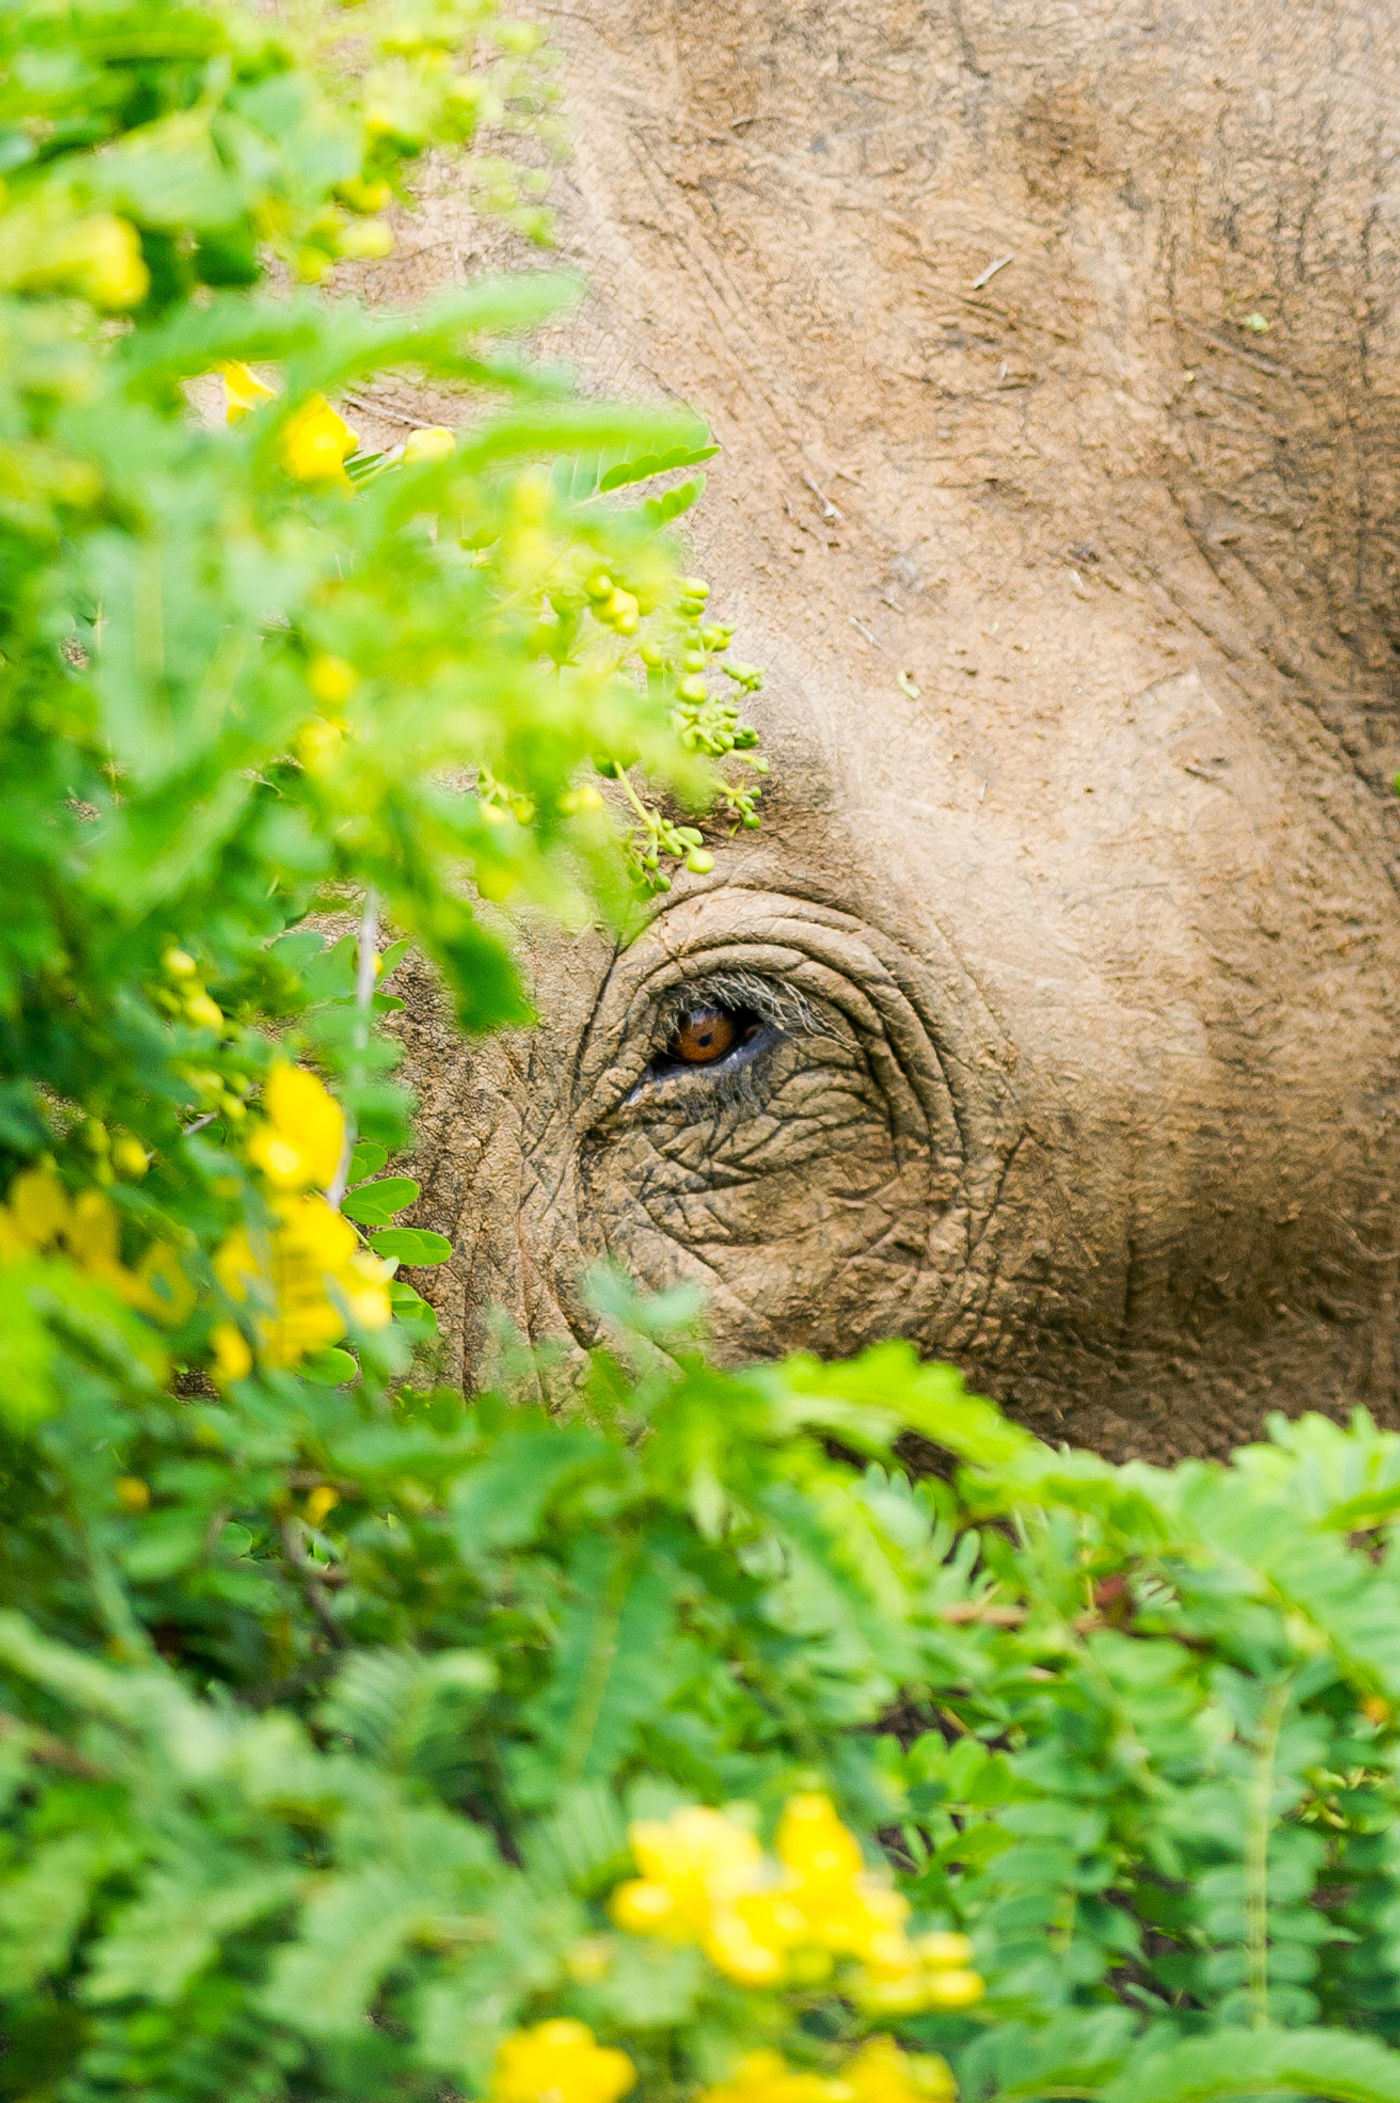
(374, 1204)
(412, 1312)
(648, 464)
(330, 1368)
(1319, 2064)
(411, 1245)
(367, 1160)
(660, 510)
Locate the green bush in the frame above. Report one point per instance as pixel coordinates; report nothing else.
(359, 1740)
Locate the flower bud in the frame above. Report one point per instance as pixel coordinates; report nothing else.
(434, 442)
(129, 1157)
(364, 240)
(953, 1990)
(331, 680)
(243, 390)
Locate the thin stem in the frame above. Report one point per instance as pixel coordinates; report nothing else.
(366, 971)
(1256, 1854)
(308, 1577)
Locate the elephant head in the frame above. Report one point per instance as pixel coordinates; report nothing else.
(1050, 1018)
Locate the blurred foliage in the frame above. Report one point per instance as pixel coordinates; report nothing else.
(246, 668)
(359, 1739)
(349, 1741)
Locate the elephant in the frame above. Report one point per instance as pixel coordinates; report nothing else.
(1049, 1018)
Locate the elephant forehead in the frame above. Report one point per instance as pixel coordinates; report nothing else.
(1052, 356)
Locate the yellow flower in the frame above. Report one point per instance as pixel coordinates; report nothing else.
(243, 391)
(316, 443)
(364, 240)
(317, 741)
(203, 1012)
(232, 1358)
(881, 2073)
(39, 1206)
(129, 1157)
(302, 1140)
(944, 1951)
(560, 2062)
(953, 1990)
(878, 2073)
(365, 197)
(104, 254)
(434, 442)
(935, 1971)
(320, 1502)
(331, 680)
(312, 1276)
(165, 1287)
(765, 2077)
(133, 1494)
(690, 1863)
(704, 1880)
(92, 1234)
(813, 1843)
(41, 1218)
(739, 1948)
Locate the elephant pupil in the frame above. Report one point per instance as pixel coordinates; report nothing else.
(705, 1034)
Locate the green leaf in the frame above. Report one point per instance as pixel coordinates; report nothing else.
(351, 1933)
(375, 1203)
(154, 1946)
(610, 1670)
(367, 1160)
(329, 1368)
(486, 988)
(42, 1906)
(1333, 2064)
(392, 1703)
(412, 1311)
(650, 464)
(660, 510)
(415, 1245)
(499, 1502)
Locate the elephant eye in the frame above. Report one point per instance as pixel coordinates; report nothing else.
(705, 1035)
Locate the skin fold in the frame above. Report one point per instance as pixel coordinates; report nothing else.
(1069, 942)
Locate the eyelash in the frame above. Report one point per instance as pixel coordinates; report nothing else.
(755, 1032)
(775, 1010)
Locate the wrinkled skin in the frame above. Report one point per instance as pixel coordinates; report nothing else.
(1076, 970)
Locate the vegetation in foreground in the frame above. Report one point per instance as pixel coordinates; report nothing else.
(362, 1740)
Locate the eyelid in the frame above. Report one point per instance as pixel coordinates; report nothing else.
(933, 1045)
(650, 1018)
(745, 1050)
(738, 990)
(830, 962)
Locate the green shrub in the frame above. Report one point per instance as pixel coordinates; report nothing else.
(359, 1740)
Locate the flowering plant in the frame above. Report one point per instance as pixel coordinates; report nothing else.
(705, 1880)
(240, 660)
(359, 1738)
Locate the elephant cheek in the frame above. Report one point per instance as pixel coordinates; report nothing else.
(502, 1187)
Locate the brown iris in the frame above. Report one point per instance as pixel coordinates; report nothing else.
(704, 1035)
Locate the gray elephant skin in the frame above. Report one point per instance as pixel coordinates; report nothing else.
(1059, 984)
